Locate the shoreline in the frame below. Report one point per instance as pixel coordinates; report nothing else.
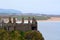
(52, 19)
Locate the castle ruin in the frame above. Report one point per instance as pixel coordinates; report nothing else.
(19, 26)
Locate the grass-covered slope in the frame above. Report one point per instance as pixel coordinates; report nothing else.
(19, 35)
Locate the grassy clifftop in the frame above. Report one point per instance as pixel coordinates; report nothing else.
(19, 35)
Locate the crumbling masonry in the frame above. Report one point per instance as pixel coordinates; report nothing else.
(20, 26)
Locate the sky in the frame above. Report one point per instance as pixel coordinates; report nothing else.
(32, 6)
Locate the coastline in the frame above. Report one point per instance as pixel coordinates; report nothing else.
(52, 19)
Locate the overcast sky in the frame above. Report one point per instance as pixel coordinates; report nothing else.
(32, 6)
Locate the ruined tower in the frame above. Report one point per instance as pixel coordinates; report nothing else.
(34, 24)
(22, 20)
(14, 20)
(10, 20)
(14, 23)
(28, 20)
(9, 24)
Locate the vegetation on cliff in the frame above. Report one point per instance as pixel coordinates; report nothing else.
(19, 35)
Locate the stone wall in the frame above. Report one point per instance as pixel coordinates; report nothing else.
(12, 25)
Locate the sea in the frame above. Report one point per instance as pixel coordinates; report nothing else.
(49, 30)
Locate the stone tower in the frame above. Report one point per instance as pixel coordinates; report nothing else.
(34, 24)
(28, 20)
(14, 23)
(14, 20)
(22, 20)
(10, 20)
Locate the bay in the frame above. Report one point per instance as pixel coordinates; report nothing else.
(50, 30)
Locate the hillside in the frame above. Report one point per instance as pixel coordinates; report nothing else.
(20, 35)
(5, 12)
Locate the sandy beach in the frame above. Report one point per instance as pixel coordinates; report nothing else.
(52, 19)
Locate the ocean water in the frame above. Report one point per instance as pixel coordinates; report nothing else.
(50, 30)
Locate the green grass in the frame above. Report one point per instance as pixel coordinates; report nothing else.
(20, 35)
